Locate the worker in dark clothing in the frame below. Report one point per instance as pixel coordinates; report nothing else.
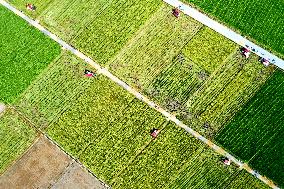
(30, 7)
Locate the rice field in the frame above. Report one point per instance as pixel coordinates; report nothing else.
(16, 135)
(187, 68)
(254, 134)
(25, 52)
(260, 20)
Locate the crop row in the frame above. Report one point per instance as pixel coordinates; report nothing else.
(98, 28)
(227, 90)
(177, 82)
(209, 49)
(15, 137)
(177, 160)
(153, 48)
(68, 18)
(254, 134)
(25, 52)
(190, 69)
(105, 128)
(113, 27)
(56, 89)
(262, 13)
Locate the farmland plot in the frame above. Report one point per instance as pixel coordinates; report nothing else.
(176, 83)
(176, 160)
(255, 133)
(40, 6)
(113, 27)
(262, 20)
(205, 93)
(189, 69)
(153, 48)
(245, 180)
(68, 18)
(227, 90)
(25, 52)
(55, 90)
(209, 49)
(15, 137)
(106, 128)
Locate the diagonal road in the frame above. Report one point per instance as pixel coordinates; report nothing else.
(228, 33)
(131, 90)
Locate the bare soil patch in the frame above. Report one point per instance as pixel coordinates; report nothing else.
(76, 177)
(40, 167)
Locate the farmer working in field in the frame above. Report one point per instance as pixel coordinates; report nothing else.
(88, 73)
(264, 61)
(226, 161)
(245, 52)
(155, 132)
(30, 7)
(176, 12)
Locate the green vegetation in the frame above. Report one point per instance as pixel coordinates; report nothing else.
(255, 132)
(15, 137)
(177, 82)
(205, 97)
(187, 68)
(113, 27)
(152, 49)
(262, 20)
(56, 88)
(245, 180)
(227, 90)
(209, 49)
(105, 128)
(40, 6)
(25, 52)
(69, 18)
(177, 160)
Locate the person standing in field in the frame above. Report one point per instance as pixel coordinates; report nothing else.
(245, 52)
(155, 132)
(176, 12)
(30, 7)
(89, 73)
(264, 61)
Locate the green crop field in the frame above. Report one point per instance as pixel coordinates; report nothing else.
(176, 160)
(166, 61)
(261, 20)
(25, 52)
(40, 6)
(100, 28)
(15, 137)
(187, 68)
(255, 133)
(105, 128)
(56, 88)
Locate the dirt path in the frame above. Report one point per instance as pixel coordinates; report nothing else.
(170, 117)
(2, 108)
